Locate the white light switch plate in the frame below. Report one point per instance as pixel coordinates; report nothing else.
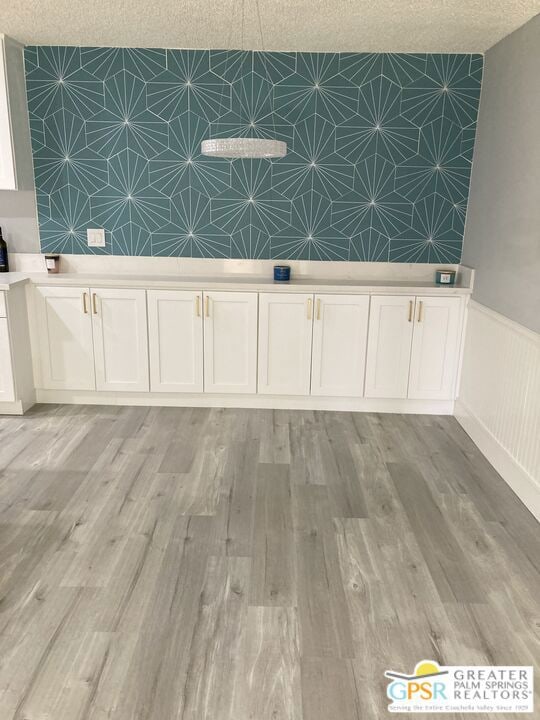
(96, 237)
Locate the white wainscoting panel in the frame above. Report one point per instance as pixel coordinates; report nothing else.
(499, 398)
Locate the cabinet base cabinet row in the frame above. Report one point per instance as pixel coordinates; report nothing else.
(290, 344)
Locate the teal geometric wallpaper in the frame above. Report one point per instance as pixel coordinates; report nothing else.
(378, 165)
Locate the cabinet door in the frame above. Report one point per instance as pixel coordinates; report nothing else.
(66, 350)
(339, 345)
(7, 387)
(175, 332)
(389, 346)
(435, 348)
(285, 330)
(120, 339)
(230, 342)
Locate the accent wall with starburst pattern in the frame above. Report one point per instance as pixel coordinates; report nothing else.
(380, 152)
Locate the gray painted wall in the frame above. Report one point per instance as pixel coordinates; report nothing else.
(18, 220)
(502, 233)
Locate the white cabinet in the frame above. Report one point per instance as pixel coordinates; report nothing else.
(64, 326)
(413, 347)
(389, 346)
(339, 345)
(272, 343)
(17, 391)
(435, 348)
(92, 339)
(285, 330)
(15, 151)
(120, 339)
(7, 385)
(175, 333)
(230, 342)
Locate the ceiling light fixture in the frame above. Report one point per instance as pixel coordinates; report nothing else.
(247, 147)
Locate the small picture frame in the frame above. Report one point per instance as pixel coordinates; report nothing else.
(52, 263)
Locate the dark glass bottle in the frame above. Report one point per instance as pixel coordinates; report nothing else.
(4, 262)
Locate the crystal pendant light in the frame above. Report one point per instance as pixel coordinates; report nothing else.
(245, 147)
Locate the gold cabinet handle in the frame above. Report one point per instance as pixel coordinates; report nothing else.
(84, 305)
(309, 308)
(410, 310)
(198, 305)
(94, 303)
(318, 308)
(207, 306)
(420, 310)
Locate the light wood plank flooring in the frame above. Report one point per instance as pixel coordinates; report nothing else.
(207, 564)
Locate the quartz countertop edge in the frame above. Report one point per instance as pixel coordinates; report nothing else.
(253, 283)
(10, 279)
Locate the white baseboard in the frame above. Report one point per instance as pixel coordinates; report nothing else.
(525, 486)
(14, 408)
(276, 402)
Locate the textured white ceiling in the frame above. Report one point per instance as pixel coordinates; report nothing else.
(309, 25)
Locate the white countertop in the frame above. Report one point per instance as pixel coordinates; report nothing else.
(254, 283)
(8, 280)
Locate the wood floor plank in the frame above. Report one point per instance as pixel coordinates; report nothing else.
(99, 433)
(325, 628)
(340, 471)
(304, 441)
(271, 428)
(269, 686)
(447, 563)
(181, 450)
(199, 490)
(108, 699)
(215, 663)
(236, 510)
(25, 657)
(53, 489)
(273, 574)
(329, 690)
(65, 685)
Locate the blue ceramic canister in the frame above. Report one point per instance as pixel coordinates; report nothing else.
(282, 273)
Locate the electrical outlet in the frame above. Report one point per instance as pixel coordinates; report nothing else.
(96, 237)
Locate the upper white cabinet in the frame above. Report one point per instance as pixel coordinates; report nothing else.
(175, 332)
(120, 339)
(285, 330)
(339, 345)
(389, 346)
(230, 342)
(7, 385)
(435, 348)
(64, 326)
(15, 150)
